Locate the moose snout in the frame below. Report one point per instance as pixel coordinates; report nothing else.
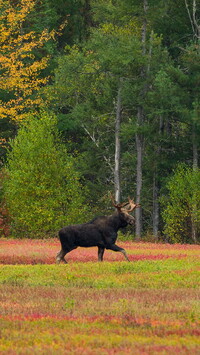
(132, 221)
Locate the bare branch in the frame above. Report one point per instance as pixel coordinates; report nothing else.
(190, 17)
(96, 142)
(193, 20)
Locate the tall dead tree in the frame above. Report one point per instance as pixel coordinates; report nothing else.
(116, 169)
(139, 136)
(118, 144)
(156, 206)
(195, 25)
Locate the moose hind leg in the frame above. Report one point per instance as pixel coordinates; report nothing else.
(125, 255)
(60, 256)
(115, 247)
(100, 253)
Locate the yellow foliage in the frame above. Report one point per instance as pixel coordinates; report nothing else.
(132, 28)
(19, 68)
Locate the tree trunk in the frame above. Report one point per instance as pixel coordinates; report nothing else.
(138, 211)
(195, 166)
(117, 146)
(139, 137)
(195, 148)
(156, 209)
(155, 206)
(194, 231)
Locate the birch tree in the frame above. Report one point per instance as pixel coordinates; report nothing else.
(191, 58)
(95, 79)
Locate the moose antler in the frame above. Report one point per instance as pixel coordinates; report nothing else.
(119, 206)
(132, 204)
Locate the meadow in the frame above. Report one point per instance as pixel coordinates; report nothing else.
(148, 306)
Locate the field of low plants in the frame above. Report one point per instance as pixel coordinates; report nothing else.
(148, 306)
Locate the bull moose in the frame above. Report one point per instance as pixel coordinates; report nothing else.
(100, 232)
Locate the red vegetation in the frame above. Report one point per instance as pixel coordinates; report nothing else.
(26, 251)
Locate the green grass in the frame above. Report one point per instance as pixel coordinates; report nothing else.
(141, 307)
(170, 273)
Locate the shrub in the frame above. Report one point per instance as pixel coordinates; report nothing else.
(43, 190)
(182, 210)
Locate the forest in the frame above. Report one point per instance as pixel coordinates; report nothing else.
(100, 98)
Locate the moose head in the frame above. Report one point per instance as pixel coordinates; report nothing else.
(124, 209)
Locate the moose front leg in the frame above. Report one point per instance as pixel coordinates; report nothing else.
(115, 247)
(100, 253)
(60, 256)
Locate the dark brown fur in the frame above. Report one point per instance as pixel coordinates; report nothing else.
(100, 232)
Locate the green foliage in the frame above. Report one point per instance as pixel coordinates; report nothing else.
(42, 191)
(182, 211)
(103, 47)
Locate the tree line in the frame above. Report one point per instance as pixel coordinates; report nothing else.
(117, 84)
